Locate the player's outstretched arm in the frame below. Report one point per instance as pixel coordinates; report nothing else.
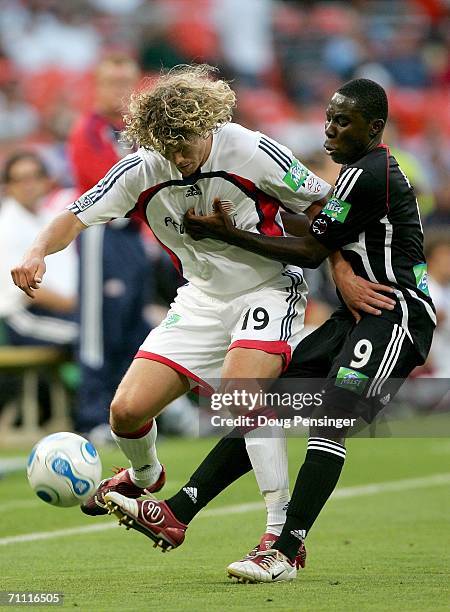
(358, 293)
(58, 234)
(306, 252)
(295, 224)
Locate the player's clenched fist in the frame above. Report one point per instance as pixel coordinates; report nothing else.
(28, 275)
(218, 225)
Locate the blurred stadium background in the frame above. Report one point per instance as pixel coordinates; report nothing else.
(284, 59)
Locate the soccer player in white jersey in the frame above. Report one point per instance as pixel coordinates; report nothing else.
(240, 314)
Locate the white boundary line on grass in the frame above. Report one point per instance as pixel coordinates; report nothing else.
(344, 493)
(14, 504)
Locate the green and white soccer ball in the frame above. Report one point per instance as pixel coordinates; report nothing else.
(64, 469)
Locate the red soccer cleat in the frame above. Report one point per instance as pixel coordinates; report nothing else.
(122, 483)
(151, 517)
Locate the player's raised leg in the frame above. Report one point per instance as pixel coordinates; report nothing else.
(165, 522)
(145, 390)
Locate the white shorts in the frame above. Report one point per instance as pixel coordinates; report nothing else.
(199, 329)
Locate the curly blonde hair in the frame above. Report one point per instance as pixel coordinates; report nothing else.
(184, 103)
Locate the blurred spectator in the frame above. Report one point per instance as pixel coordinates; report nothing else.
(39, 35)
(156, 51)
(94, 142)
(414, 168)
(115, 272)
(248, 49)
(437, 252)
(404, 59)
(440, 216)
(49, 318)
(18, 118)
(123, 7)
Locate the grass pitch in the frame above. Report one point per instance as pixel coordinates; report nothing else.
(383, 547)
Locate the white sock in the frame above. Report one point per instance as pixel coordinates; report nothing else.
(145, 467)
(266, 447)
(276, 506)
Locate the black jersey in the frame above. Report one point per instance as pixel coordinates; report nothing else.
(373, 217)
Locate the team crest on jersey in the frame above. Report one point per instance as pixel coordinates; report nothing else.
(421, 274)
(171, 320)
(352, 380)
(319, 226)
(337, 209)
(296, 175)
(312, 185)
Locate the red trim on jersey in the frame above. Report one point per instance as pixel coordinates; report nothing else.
(139, 433)
(275, 347)
(266, 206)
(139, 211)
(173, 256)
(386, 148)
(202, 388)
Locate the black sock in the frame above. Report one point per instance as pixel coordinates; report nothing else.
(316, 480)
(227, 462)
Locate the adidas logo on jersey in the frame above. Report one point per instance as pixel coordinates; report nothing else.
(191, 492)
(193, 191)
(300, 534)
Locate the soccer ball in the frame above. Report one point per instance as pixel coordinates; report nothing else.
(64, 469)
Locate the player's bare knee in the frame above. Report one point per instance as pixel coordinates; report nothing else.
(334, 427)
(236, 393)
(124, 415)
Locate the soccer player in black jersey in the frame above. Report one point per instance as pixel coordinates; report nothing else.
(373, 219)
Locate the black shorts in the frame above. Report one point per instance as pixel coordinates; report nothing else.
(361, 365)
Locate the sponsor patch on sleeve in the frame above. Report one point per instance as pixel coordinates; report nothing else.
(337, 209)
(352, 380)
(171, 320)
(421, 274)
(84, 202)
(296, 175)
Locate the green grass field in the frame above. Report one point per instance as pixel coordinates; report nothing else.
(377, 548)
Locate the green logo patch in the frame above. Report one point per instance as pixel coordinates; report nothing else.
(296, 175)
(171, 320)
(352, 380)
(421, 274)
(337, 209)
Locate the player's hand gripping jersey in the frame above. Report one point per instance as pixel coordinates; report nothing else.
(252, 171)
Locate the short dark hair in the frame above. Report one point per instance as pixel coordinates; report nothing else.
(370, 98)
(19, 156)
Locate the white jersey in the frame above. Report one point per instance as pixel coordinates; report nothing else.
(255, 173)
